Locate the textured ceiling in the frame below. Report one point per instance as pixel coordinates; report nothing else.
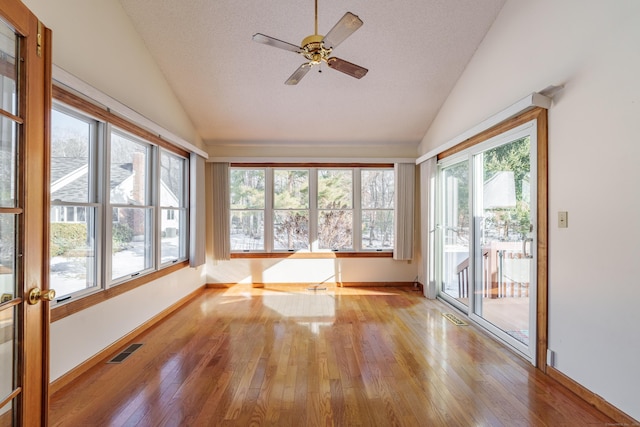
(233, 88)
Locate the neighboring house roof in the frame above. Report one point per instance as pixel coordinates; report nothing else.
(65, 178)
(68, 177)
(69, 181)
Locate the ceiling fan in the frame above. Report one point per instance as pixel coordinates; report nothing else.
(317, 48)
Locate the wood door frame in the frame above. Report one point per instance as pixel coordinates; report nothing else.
(34, 82)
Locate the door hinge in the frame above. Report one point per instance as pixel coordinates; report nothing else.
(39, 40)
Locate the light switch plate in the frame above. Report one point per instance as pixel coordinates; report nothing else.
(563, 219)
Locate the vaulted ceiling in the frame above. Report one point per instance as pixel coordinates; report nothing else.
(233, 88)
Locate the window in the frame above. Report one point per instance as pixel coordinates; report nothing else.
(119, 203)
(74, 203)
(335, 209)
(311, 209)
(247, 190)
(290, 209)
(377, 209)
(173, 203)
(130, 194)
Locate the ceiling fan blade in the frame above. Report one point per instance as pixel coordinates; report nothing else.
(346, 26)
(347, 67)
(298, 74)
(261, 38)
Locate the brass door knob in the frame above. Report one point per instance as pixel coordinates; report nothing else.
(35, 295)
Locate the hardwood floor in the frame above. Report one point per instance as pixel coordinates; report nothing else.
(288, 356)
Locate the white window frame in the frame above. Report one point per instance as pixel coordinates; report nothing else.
(182, 209)
(362, 210)
(352, 209)
(99, 166)
(268, 178)
(94, 202)
(313, 208)
(150, 207)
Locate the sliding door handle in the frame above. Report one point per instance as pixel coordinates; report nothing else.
(524, 247)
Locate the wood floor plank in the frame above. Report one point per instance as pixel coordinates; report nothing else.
(287, 356)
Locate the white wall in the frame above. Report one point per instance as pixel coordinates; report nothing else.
(332, 270)
(80, 336)
(593, 48)
(95, 41)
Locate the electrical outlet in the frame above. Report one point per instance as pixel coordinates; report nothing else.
(563, 219)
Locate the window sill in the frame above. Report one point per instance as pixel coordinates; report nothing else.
(313, 255)
(74, 306)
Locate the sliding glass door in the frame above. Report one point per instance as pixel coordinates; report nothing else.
(487, 230)
(455, 227)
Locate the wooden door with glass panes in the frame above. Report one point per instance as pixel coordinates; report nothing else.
(25, 81)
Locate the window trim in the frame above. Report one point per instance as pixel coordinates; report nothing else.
(87, 108)
(78, 105)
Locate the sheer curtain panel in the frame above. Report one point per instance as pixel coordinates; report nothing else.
(426, 269)
(221, 207)
(404, 202)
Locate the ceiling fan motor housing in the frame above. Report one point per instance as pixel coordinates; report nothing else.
(314, 50)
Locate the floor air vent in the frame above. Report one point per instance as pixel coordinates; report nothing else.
(125, 353)
(453, 319)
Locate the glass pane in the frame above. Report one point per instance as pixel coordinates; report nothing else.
(8, 69)
(291, 230)
(70, 139)
(506, 239)
(335, 229)
(291, 189)
(7, 349)
(7, 257)
(246, 188)
(129, 171)
(455, 232)
(378, 189)
(172, 179)
(247, 230)
(335, 189)
(8, 157)
(132, 249)
(377, 229)
(7, 414)
(72, 249)
(171, 246)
